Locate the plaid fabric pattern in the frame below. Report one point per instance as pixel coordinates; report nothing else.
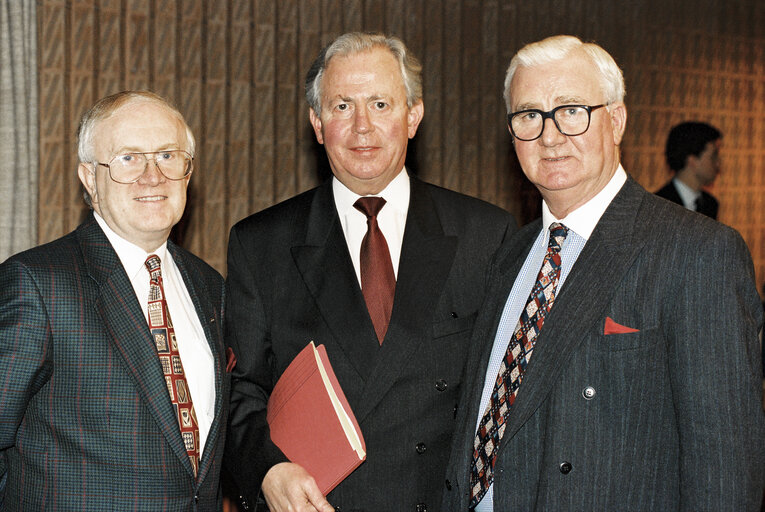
(513, 367)
(86, 423)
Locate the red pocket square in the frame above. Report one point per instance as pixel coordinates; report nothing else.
(230, 359)
(614, 328)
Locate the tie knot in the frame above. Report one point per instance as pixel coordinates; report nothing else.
(152, 263)
(558, 233)
(369, 206)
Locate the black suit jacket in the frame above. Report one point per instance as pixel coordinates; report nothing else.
(667, 418)
(706, 204)
(86, 422)
(291, 280)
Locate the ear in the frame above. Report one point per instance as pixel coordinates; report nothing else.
(691, 161)
(316, 123)
(618, 113)
(87, 176)
(414, 117)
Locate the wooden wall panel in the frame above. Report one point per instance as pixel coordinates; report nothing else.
(236, 68)
(430, 137)
(54, 124)
(191, 102)
(241, 102)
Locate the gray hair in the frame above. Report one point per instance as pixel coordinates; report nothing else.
(357, 42)
(104, 108)
(558, 47)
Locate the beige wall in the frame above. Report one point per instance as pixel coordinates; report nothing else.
(236, 67)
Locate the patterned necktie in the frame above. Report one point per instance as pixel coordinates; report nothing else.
(378, 282)
(513, 367)
(167, 349)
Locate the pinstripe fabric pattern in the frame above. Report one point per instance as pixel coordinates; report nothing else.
(667, 418)
(85, 418)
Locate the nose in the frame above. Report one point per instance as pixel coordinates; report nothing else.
(151, 174)
(361, 122)
(551, 136)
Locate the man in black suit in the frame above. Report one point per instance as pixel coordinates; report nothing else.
(296, 274)
(693, 154)
(615, 362)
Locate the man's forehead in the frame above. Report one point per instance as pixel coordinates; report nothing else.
(356, 65)
(565, 81)
(130, 125)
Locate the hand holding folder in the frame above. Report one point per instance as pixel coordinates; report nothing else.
(311, 422)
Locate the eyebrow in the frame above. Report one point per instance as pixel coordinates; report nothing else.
(560, 100)
(373, 97)
(135, 149)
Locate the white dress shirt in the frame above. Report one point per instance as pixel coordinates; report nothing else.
(196, 356)
(687, 195)
(580, 222)
(391, 219)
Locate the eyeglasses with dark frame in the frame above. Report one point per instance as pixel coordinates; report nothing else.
(127, 168)
(570, 120)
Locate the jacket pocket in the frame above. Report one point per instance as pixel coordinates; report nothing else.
(454, 325)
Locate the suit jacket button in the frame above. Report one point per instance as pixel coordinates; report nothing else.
(454, 314)
(565, 468)
(421, 507)
(441, 385)
(588, 393)
(448, 485)
(421, 448)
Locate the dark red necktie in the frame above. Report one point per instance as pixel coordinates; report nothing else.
(167, 349)
(378, 282)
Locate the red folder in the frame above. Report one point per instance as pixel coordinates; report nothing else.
(311, 421)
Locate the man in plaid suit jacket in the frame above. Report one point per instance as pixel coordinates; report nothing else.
(86, 422)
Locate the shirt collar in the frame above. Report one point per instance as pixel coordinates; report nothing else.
(584, 219)
(133, 258)
(686, 193)
(396, 194)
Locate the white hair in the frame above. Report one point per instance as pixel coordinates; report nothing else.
(558, 47)
(353, 43)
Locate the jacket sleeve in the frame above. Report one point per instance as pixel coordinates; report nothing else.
(249, 450)
(25, 343)
(713, 327)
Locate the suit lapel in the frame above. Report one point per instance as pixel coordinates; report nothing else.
(126, 325)
(426, 257)
(509, 260)
(321, 255)
(211, 324)
(579, 308)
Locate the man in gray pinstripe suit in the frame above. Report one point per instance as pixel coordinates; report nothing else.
(86, 418)
(643, 392)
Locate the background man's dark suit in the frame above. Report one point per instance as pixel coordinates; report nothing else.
(104, 435)
(706, 204)
(612, 422)
(291, 280)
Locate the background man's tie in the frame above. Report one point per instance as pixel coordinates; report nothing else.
(378, 282)
(167, 349)
(513, 367)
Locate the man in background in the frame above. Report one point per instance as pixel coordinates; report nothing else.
(395, 321)
(113, 392)
(693, 154)
(615, 362)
